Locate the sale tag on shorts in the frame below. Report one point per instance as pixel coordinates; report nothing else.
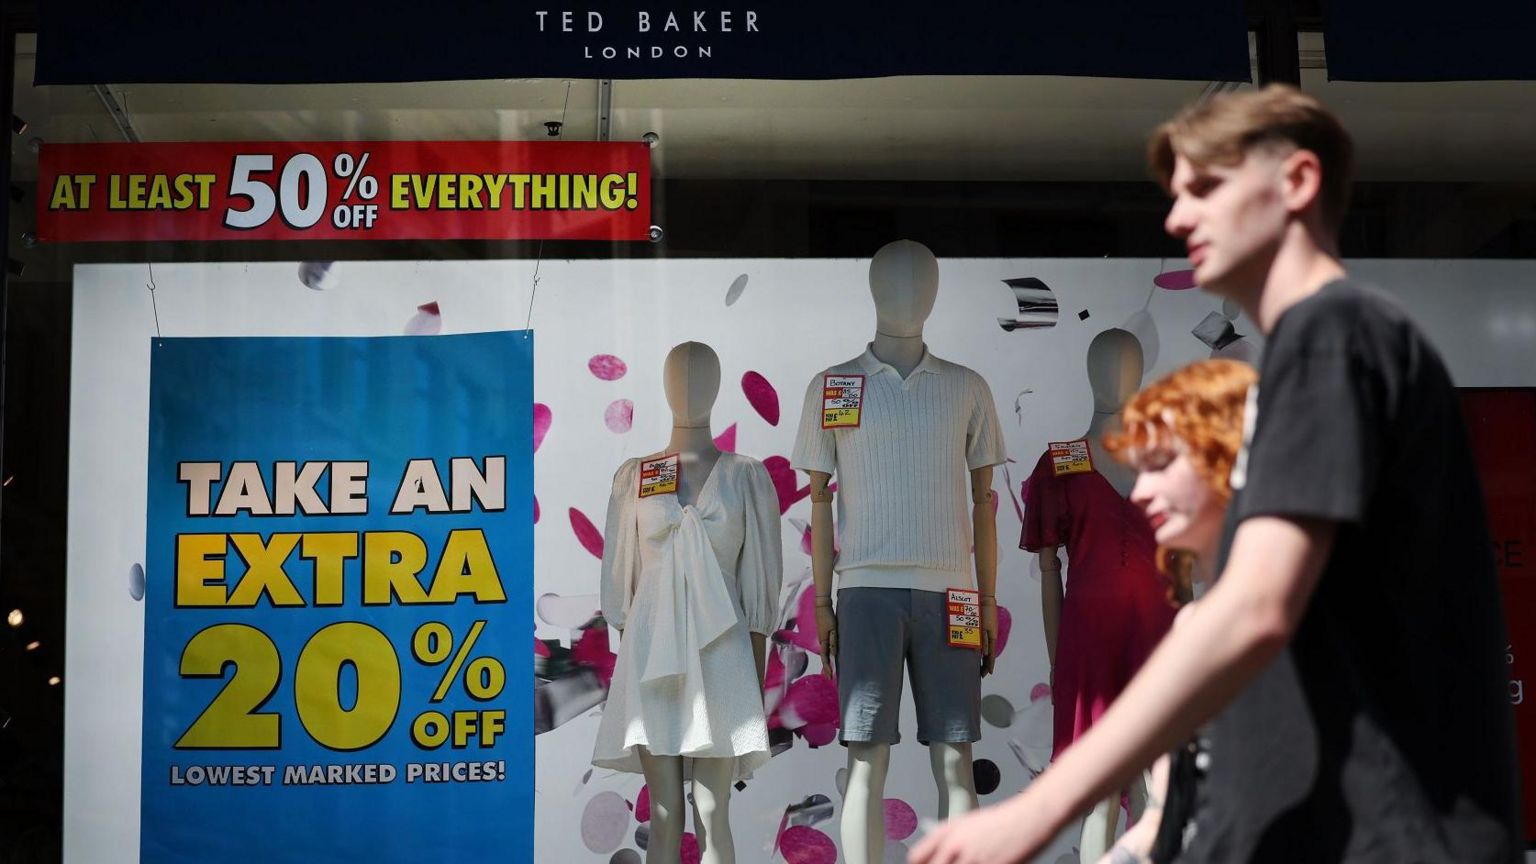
(1071, 457)
(964, 611)
(659, 476)
(842, 401)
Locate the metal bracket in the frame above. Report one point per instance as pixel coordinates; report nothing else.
(604, 107)
(118, 112)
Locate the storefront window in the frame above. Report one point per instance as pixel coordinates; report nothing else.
(766, 203)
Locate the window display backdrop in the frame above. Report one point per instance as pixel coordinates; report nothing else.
(603, 331)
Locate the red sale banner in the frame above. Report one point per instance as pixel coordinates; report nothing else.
(1502, 425)
(331, 190)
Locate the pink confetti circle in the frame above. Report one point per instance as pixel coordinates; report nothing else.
(725, 442)
(813, 699)
(784, 482)
(604, 821)
(607, 367)
(900, 819)
(542, 417)
(586, 533)
(535, 509)
(619, 416)
(428, 321)
(773, 676)
(1039, 691)
(689, 852)
(1004, 627)
(1175, 280)
(643, 805)
(819, 734)
(804, 634)
(802, 844)
(761, 396)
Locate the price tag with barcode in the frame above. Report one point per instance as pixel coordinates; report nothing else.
(1071, 457)
(660, 476)
(842, 401)
(964, 611)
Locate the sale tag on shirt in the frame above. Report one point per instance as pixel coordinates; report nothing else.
(842, 401)
(964, 609)
(659, 476)
(1071, 457)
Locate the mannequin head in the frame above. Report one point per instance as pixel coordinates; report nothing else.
(904, 280)
(691, 376)
(1114, 369)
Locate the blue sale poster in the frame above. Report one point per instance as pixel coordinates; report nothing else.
(339, 582)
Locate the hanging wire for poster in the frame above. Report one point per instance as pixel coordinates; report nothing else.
(152, 304)
(538, 258)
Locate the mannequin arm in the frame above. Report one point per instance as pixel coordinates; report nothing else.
(821, 568)
(984, 538)
(1050, 602)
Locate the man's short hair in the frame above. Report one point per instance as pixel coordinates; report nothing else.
(1222, 129)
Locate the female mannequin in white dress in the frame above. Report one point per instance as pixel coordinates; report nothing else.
(692, 565)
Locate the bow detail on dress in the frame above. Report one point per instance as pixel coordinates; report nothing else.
(693, 607)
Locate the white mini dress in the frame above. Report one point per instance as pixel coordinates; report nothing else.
(686, 584)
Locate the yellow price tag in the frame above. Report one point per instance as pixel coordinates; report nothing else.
(842, 401)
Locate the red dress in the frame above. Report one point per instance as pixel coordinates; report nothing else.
(1116, 606)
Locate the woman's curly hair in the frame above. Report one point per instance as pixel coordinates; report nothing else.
(1197, 409)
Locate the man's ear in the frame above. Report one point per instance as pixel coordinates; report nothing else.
(1302, 175)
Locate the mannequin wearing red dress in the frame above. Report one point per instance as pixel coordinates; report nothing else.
(1114, 609)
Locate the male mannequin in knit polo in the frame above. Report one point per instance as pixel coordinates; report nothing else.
(921, 432)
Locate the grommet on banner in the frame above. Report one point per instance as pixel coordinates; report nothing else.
(655, 233)
(651, 139)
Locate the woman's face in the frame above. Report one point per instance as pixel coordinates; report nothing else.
(1183, 508)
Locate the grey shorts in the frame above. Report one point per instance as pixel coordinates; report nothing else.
(879, 630)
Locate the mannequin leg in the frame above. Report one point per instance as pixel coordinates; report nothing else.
(863, 825)
(1099, 829)
(953, 775)
(711, 809)
(664, 777)
(1137, 792)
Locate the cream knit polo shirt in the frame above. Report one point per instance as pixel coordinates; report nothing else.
(903, 474)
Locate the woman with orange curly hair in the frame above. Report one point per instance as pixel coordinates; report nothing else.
(1182, 435)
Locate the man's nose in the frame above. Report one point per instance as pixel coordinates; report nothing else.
(1178, 223)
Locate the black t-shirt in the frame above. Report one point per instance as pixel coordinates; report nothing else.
(1383, 731)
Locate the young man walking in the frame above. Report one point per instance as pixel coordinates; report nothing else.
(1351, 651)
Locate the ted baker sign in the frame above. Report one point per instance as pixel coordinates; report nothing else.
(648, 35)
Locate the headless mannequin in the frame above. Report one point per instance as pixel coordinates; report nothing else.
(904, 280)
(691, 378)
(1114, 374)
